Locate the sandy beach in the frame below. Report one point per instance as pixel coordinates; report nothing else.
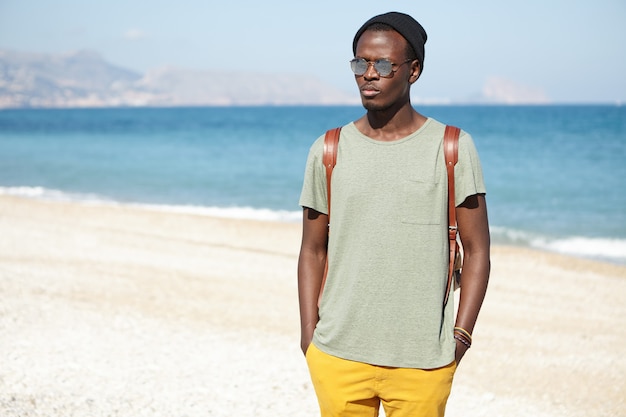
(122, 311)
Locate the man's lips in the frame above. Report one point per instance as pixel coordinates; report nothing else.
(368, 90)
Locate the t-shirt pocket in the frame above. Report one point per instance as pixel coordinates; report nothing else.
(421, 202)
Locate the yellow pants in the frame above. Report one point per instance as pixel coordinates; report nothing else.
(346, 388)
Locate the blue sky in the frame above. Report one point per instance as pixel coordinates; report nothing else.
(567, 51)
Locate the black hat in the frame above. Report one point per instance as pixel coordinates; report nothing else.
(405, 25)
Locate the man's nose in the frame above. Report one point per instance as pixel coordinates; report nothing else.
(371, 72)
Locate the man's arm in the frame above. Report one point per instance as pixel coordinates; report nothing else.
(311, 264)
(474, 233)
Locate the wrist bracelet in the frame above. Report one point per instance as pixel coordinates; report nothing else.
(463, 336)
(464, 332)
(465, 342)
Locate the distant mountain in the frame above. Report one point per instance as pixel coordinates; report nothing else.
(84, 79)
(502, 90)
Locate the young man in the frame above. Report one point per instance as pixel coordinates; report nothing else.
(382, 333)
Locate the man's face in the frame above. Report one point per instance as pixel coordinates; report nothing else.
(382, 93)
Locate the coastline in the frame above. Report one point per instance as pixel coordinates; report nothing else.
(126, 311)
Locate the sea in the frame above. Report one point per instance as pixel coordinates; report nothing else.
(555, 174)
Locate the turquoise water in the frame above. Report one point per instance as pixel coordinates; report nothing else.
(555, 175)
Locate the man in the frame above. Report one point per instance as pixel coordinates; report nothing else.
(382, 333)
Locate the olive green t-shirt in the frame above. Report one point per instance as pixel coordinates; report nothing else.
(388, 245)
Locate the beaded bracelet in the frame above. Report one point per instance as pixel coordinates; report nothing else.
(460, 339)
(463, 336)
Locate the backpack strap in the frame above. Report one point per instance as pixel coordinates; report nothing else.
(331, 141)
(329, 159)
(451, 153)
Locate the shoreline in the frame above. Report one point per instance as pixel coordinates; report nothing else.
(609, 250)
(121, 310)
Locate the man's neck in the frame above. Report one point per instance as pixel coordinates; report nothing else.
(391, 124)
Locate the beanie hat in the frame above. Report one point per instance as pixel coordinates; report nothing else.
(405, 25)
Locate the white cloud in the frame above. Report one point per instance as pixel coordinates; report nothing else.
(134, 34)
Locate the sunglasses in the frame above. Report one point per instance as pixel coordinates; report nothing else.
(383, 66)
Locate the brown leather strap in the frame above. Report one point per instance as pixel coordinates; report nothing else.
(451, 152)
(329, 159)
(331, 141)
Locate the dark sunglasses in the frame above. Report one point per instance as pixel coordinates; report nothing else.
(383, 66)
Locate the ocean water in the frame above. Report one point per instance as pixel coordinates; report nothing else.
(555, 175)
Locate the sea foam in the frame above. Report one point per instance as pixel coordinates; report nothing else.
(599, 248)
(223, 212)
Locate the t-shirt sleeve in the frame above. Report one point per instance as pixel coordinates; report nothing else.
(313, 193)
(468, 173)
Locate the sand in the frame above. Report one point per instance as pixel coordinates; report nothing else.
(121, 311)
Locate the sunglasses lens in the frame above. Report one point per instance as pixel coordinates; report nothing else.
(359, 66)
(383, 67)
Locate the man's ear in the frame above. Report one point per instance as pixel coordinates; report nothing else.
(416, 71)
